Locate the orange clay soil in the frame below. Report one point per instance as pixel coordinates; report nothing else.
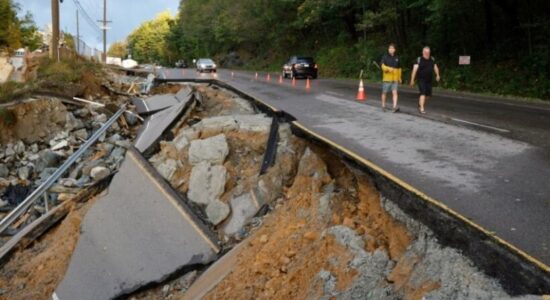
(34, 272)
(166, 89)
(285, 255)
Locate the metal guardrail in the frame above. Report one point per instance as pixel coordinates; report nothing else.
(35, 195)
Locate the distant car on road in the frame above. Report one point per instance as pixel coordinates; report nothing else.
(206, 65)
(181, 64)
(300, 66)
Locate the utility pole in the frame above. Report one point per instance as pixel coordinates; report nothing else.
(104, 27)
(54, 47)
(77, 33)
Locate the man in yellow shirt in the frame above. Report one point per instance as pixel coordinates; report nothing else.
(391, 76)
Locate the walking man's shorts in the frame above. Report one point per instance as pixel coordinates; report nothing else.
(425, 88)
(388, 86)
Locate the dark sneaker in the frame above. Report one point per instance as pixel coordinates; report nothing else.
(383, 109)
(395, 110)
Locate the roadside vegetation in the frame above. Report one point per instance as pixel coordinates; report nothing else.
(16, 32)
(506, 39)
(69, 77)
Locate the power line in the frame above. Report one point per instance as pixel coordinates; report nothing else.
(87, 17)
(93, 8)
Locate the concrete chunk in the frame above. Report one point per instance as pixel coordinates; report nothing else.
(221, 124)
(207, 183)
(254, 123)
(217, 211)
(243, 208)
(167, 168)
(213, 150)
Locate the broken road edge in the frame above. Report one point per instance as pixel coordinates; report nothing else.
(518, 272)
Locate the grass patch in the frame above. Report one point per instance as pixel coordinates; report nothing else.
(10, 91)
(68, 77)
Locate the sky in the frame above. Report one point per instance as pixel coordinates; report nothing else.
(126, 15)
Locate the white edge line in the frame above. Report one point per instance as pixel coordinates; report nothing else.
(481, 125)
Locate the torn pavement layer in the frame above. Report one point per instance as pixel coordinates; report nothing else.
(138, 234)
(156, 125)
(160, 102)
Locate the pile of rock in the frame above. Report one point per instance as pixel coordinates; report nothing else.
(215, 163)
(24, 166)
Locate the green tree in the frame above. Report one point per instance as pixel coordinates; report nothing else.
(148, 43)
(118, 49)
(10, 34)
(507, 39)
(29, 33)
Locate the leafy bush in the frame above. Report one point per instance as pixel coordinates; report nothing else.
(9, 89)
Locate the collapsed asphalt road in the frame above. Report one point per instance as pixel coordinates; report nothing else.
(211, 173)
(501, 183)
(312, 225)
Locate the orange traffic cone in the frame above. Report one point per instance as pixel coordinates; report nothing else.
(308, 84)
(280, 79)
(293, 81)
(361, 92)
(268, 77)
(256, 76)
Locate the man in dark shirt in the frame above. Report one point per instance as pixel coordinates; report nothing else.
(424, 67)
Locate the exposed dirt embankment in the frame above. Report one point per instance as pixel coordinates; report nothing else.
(315, 227)
(32, 122)
(34, 272)
(327, 234)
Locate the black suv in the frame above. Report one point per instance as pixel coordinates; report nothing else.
(300, 66)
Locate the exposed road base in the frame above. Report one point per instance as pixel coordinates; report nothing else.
(518, 272)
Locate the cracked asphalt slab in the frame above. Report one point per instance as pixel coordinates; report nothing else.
(142, 226)
(485, 158)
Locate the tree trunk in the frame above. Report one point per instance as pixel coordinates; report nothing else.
(488, 24)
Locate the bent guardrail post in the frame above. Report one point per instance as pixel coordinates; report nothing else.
(23, 206)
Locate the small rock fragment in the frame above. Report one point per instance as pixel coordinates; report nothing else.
(264, 239)
(60, 145)
(19, 148)
(81, 134)
(4, 171)
(217, 211)
(99, 173)
(24, 173)
(167, 168)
